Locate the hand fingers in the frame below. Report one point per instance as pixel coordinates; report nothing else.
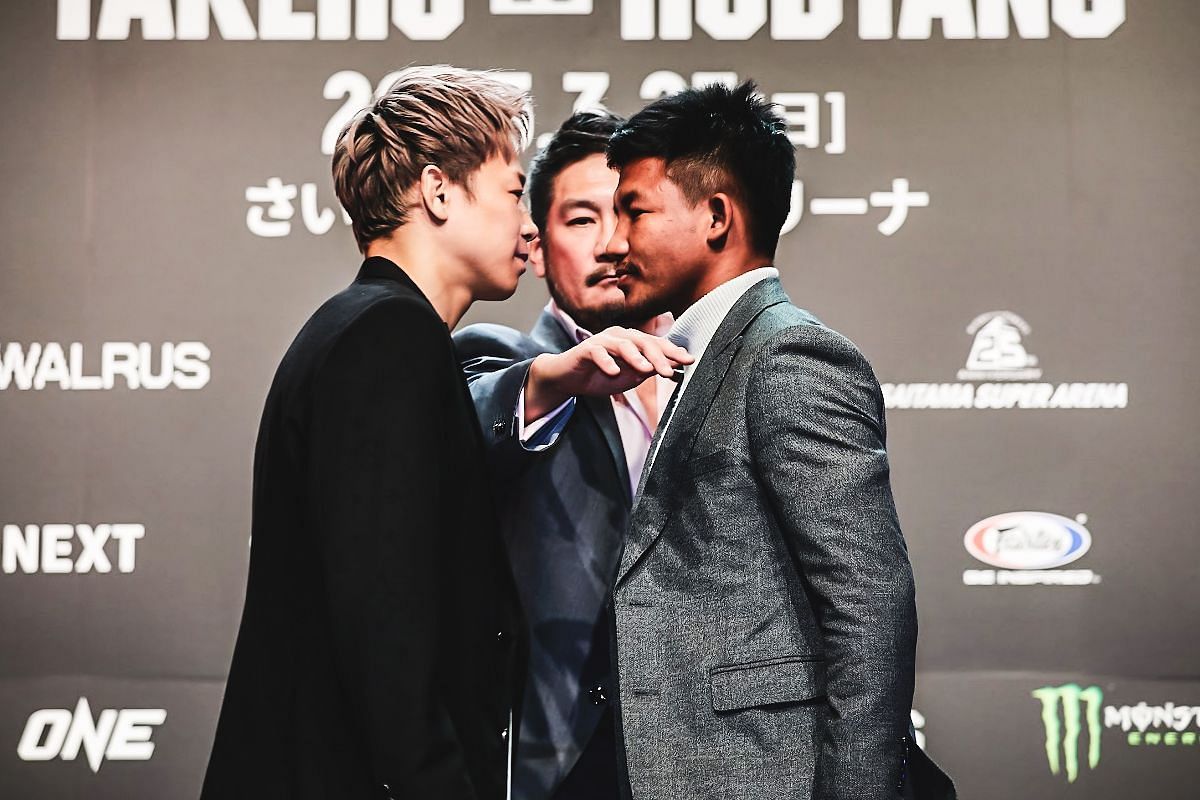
(605, 362)
(631, 354)
(668, 348)
(650, 348)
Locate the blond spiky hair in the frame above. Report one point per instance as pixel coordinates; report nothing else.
(443, 115)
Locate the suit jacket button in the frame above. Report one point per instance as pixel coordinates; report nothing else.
(500, 637)
(597, 695)
(504, 734)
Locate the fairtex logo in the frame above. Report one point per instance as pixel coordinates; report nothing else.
(1027, 540)
(1026, 546)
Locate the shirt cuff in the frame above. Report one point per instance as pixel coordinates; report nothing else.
(543, 431)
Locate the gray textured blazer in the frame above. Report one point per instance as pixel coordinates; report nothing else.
(563, 514)
(765, 619)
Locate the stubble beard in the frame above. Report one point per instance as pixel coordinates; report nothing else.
(593, 320)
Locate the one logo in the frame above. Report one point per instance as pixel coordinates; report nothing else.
(1027, 540)
(117, 735)
(997, 352)
(1069, 712)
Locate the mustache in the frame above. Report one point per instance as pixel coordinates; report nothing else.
(628, 268)
(601, 274)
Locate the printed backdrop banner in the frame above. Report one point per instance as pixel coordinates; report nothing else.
(996, 199)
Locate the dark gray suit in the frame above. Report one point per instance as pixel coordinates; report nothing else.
(765, 614)
(563, 515)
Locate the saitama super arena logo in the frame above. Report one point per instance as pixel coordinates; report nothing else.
(1075, 721)
(1001, 373)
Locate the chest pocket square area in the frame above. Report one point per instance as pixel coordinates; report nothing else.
(790, 679)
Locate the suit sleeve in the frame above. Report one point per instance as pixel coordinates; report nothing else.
(495, 361)
(815, 416)
(377, 487)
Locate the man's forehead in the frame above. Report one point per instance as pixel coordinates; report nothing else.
(591, 173)
(643, 177)
(504, 167)
(644, 169)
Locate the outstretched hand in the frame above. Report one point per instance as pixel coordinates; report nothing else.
(614, 360)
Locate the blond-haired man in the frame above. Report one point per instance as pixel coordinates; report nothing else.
(381, 649)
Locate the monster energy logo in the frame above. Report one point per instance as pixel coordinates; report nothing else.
(1062, 735)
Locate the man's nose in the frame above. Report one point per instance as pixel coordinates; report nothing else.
(529, 231)
(617, 246)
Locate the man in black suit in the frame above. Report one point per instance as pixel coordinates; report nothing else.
(564, 511)
(382, 648)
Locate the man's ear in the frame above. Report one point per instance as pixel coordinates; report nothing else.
(435, 193)
(720, 209)
(537, 256)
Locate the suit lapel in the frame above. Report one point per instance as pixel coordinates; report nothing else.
(653, 503)
(606, 418)
(548, 332)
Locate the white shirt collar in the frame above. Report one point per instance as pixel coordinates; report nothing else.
(568, 324)
(696, 326)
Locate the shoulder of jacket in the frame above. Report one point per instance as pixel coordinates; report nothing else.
(487, 338)
(787, 327)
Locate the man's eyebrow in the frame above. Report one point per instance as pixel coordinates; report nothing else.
(521, 178)
(626, 199)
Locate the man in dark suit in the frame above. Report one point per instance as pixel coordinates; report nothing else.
(764, 602)
(564, 509)
(382, 649)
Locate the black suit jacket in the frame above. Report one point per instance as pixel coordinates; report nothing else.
(381, 646)
(563, 512)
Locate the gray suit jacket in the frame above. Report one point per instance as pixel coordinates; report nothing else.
(563, 515)
(765, 617)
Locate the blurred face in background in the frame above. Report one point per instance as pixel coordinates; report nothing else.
(571, 252)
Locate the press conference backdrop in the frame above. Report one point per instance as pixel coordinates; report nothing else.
(997, 200)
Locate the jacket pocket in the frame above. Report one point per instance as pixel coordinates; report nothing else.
(789, 679)
(712, 462)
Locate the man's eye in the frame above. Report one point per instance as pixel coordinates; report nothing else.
(634, 213)
(581, 221)
(518, 193)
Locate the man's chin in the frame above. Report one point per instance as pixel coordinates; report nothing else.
(499, 292)
(640, 306)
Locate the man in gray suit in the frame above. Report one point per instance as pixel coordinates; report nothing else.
(564, 509)
(764, 603)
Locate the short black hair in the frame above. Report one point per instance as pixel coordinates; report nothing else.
(718, 138)
(585, 133)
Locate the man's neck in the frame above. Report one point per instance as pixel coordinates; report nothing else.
(421, 260)
(717, 274)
